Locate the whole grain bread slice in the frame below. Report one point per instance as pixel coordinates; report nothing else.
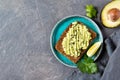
(59, 46)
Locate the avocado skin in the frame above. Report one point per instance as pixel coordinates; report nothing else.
(102, 20)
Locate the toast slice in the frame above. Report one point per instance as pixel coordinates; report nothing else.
(59, 46)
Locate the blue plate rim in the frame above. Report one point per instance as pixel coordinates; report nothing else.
(64, 19)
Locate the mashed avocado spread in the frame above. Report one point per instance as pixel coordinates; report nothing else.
(76, 40)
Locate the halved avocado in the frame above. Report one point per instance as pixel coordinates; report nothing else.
(110, 15)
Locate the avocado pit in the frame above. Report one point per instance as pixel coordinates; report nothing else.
(113, 14)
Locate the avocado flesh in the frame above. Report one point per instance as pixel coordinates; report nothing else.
(106, 22)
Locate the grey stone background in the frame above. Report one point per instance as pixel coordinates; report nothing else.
(25, 27)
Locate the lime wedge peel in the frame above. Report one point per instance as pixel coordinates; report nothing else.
(93, 49)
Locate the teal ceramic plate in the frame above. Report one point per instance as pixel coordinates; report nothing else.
(59, 29)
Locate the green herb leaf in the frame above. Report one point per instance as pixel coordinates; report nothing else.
(87, 65)
(91, 12)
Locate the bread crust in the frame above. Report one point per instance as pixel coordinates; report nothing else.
(59, 47)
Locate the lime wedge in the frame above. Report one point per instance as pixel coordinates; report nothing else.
(93, 49)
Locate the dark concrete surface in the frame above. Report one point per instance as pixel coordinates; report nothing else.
(25, 27)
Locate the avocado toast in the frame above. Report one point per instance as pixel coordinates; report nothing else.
(75, 40)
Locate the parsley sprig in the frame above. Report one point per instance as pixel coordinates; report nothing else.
(91, 12)
(87, 65)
